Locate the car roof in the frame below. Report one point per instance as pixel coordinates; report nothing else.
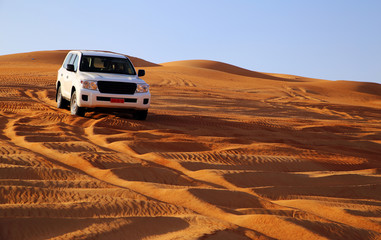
(100, 53)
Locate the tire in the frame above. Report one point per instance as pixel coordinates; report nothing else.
(61, 102)
(74, 108)
(140, 114)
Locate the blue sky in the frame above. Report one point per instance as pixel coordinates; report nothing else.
(329, 39)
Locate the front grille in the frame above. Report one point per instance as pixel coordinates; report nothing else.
(108, 99)
(116, 87)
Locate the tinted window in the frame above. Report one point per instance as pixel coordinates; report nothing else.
(106, 65)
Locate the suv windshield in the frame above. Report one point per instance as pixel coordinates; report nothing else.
(106, 65)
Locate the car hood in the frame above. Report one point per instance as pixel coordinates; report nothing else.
(109, 77)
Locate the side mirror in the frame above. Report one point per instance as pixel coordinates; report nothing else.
(141, 73)
(70, 67)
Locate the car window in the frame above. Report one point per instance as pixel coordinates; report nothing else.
(74, 61)
(67, 60)
(106, 65)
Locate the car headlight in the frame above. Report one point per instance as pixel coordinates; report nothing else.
(142, 88)
(92, 85)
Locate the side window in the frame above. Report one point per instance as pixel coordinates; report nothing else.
(74, 61)
(67, 60)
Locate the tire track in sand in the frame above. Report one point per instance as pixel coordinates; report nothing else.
(182, 197)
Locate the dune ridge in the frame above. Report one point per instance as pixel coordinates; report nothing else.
(226, 153)
(56, 58)
(228, 68)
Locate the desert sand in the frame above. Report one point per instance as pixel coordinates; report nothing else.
(226, 153)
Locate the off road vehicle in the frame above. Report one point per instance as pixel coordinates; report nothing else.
(96, 79)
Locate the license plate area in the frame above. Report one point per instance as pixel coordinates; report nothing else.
(117, 100)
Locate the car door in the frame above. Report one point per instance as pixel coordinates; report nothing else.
(64, 76)
(69, 76)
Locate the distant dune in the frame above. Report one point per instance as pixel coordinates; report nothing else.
(224, 67)
(57, 57)
(226, 153)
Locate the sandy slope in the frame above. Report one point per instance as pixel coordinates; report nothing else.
(225, 153)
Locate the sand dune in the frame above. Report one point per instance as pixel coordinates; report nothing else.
(228, 68)
(226, 153)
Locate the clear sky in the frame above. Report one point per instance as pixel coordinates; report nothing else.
(329, 39)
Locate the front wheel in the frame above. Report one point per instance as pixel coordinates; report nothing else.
(140, 114)
(61, 102)
(74, 108)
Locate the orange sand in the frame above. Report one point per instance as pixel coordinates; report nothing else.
(226, 153)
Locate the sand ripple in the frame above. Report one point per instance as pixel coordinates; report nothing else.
(226, 153)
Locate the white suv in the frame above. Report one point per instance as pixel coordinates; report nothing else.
(95, 79)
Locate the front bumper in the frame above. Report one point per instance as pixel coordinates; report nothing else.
(94, 99)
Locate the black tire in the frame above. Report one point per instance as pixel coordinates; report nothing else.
(74, 108)
(140, 114)
(61, 102)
